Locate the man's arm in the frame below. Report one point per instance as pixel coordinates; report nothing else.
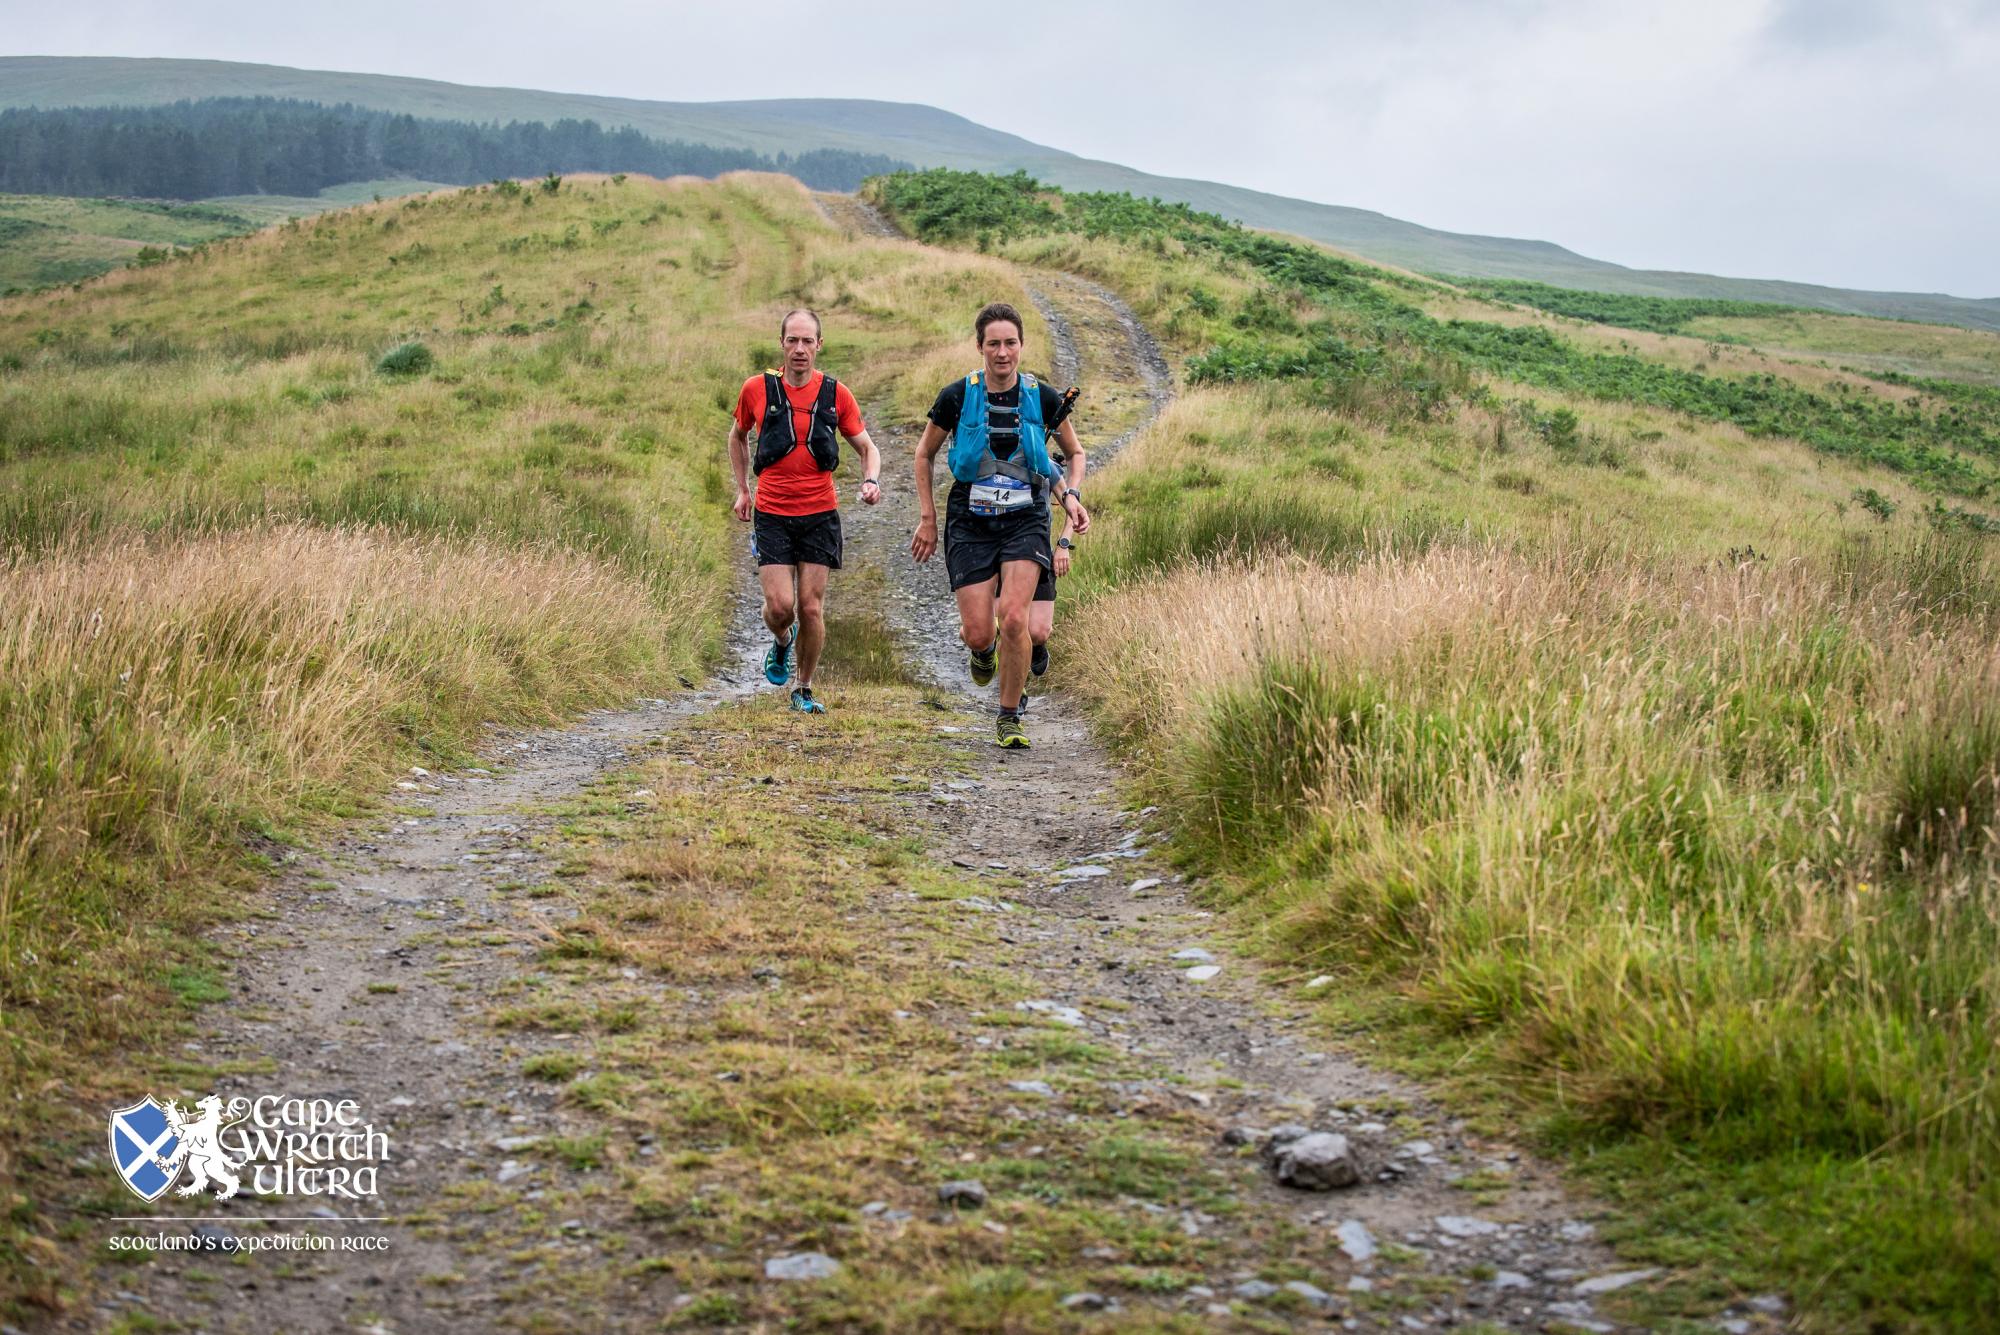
(871, 467)
(925, 543)
(739, 464)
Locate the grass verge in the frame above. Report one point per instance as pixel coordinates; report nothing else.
(1697, 862)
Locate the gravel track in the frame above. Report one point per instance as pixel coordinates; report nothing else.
(430, 905)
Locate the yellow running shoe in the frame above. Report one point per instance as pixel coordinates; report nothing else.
(984, 664)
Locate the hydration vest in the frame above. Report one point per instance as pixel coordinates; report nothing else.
(972, 458)
(778, 433)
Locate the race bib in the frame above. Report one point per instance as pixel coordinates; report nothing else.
(999, 496)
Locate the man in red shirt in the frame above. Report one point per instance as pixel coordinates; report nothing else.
(791, 448)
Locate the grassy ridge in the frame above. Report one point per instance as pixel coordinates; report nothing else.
(1362, 324)
(1628, 768)
(47, 240)
(1888, 349)
(285, 515)
(1935, 358)
(1659, 315)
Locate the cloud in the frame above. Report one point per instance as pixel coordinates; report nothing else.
(1913, 27)
(1820, 25)
(1837, 141)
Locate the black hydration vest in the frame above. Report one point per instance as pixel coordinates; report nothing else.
(778, 434)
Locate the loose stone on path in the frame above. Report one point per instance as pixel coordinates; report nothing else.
(1055, 1010)
(965, 1192)
(804, 1265)
(1465, 1226)
(1320, 1161)
(1612, 1283)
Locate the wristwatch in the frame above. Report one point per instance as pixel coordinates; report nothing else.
(1065, 543)
(1072, 491)
(870, 482)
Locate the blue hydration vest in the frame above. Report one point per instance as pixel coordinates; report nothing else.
(972, 458)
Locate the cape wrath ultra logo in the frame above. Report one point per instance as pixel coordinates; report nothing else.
(271, 1145)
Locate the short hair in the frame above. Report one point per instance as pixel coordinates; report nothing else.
(800, 310)
(994, 311)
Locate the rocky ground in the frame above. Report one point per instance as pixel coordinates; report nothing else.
(706, 1015)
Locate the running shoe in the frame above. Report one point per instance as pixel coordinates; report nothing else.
(778, 661)
(802, 700)
(1011, 733)
(1038, 661)
(983, 664)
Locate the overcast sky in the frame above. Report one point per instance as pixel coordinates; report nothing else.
(1847, 142)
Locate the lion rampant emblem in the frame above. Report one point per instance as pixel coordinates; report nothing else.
(200, 1147)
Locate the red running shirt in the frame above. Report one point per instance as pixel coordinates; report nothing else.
(794, 485)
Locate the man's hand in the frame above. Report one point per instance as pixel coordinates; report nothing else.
(924, 545)
(1061, 566)
(871, 491)
(742, 506)
(1078, 516)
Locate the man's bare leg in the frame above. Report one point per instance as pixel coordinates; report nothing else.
(780, 601)
(812, 619)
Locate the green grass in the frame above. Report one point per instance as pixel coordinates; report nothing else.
(1887, 348)
(49, 240)
(1359, 335)
(1659, 315)
(1703, 869)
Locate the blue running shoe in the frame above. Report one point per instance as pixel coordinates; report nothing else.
(802, 700)
(778, 662)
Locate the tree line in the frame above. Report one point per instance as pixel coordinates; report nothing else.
(277, 146)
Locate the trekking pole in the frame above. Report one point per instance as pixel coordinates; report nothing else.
(1064, 408)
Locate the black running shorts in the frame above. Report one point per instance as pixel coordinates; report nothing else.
(976, 546)
(796, 540)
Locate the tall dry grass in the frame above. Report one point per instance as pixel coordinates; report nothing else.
(1695, 850)
(160, 698)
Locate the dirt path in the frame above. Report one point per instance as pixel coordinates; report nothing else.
(650, 1004)
(1093, 937)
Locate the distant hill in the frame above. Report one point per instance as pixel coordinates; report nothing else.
(933, 138)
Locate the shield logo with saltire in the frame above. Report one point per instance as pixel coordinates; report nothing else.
(140, 1137)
